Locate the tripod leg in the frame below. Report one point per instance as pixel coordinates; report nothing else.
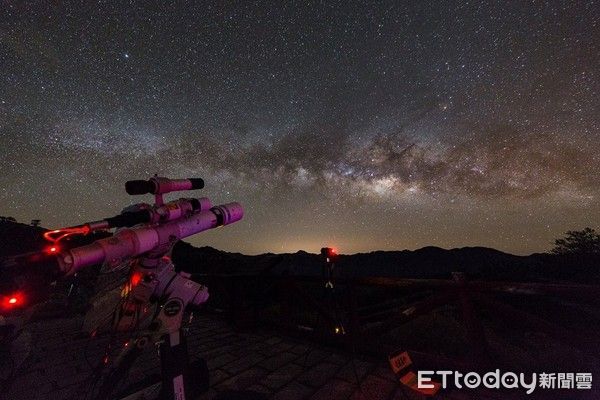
(175, 366)
(119, 372)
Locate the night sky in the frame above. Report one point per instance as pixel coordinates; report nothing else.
(363, 126)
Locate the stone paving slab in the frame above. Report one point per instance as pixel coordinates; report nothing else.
(334, 388)
(281, 377)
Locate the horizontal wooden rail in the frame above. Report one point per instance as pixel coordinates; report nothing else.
(389, 302)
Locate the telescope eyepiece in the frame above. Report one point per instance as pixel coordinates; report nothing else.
(137, 187)
(197, 183)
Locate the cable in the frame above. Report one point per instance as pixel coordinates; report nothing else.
(94, 376)
(120, 371)
(97, 370)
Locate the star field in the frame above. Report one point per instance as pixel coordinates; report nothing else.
(364, 126)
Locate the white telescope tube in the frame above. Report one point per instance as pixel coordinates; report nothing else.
(132, 242)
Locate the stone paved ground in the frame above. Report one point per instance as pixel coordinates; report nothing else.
(261, 361)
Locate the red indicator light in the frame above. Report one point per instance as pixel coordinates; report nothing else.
(136, 278)
(54, 249)
(329, 253)
(15, 300)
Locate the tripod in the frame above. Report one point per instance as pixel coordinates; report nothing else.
(154, 280)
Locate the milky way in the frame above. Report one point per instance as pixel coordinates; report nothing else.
(367, 127)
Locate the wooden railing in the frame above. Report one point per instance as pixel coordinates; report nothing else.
(356, 312)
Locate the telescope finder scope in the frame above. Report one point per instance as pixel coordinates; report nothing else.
(159, 185)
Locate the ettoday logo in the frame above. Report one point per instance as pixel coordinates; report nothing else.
(504, 380)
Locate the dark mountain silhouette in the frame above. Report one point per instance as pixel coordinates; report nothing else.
(427, 262)
(17, 238)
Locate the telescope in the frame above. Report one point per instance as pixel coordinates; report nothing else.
(144, 237)
(146, 229)
(151, 237)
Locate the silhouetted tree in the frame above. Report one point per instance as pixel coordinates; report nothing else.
(586, 241)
